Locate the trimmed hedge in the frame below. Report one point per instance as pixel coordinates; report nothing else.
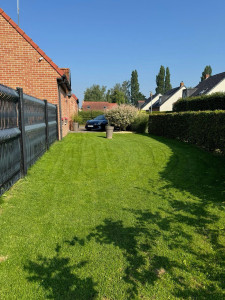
(207, 102)
(140, 123)
(90, 114)
(205, 129)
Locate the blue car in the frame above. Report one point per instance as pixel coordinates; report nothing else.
(97, 123)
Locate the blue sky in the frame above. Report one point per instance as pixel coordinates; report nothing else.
(102, 41)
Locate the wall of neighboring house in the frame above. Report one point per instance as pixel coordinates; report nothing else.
(65, 116)
(220, 87)
(20, 66)
(168, 105)
(147, 107)
(73, 110)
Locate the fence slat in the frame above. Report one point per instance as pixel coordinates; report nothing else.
(22, 130)
(46, 123)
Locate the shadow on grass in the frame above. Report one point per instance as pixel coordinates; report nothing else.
(1, 200)
(58, 277)
(202, 175)
(136, 243)
(195, 274)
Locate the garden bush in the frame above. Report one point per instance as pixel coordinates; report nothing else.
(140, 123)
(207, 102)
(77, 118)
(90, 114)
(121, 116)
(205, 129)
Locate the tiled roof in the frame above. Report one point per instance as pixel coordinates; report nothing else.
(91, 105)
(29, 40)
(74, 96)
(208, 84)
(165, 97)
(148, 101)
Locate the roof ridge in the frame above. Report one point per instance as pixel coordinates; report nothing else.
(29, 40)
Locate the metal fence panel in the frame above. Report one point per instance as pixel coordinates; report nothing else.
(36, 122)
(9, 138)
(34, 118)
(52, 123)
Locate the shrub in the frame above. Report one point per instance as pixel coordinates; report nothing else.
(77, 118)
(207, 102)
(121, 116)
(205, 129)
(140, 123)
(90, 114)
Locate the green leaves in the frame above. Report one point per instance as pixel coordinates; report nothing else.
(207, 102)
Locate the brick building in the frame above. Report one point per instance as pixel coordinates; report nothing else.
(98, 105)
(24, 64)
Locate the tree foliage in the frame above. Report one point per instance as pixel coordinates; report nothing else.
(141, 96)
(163, 84)
(160, 81)
(134, 87)
(120, 93)
(95, 93)
(118, 97)
(168, 85)
(207, 70)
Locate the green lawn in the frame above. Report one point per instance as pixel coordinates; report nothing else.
(129, 218)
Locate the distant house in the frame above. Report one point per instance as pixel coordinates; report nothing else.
(146, 106)
(211, 84)
(140, 103)
(23, 64)
(165, 102)
(91, 105)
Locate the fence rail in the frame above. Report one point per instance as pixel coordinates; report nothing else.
(28, 126)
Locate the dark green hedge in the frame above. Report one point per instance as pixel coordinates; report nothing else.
(205, 129)
(209, 102)
(90, 114)
(140, 123)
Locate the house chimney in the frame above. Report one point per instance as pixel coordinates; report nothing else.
(207, 76)
(181, 84)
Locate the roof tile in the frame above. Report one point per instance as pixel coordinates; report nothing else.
(98, 105)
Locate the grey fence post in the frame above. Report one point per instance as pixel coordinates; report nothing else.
(57, 122)
(46, 123)
(23, 164)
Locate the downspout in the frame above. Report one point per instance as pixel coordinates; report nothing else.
(60, 112)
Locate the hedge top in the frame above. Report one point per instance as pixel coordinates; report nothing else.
(206, 102)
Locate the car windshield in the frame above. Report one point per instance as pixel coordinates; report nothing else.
(102, 117)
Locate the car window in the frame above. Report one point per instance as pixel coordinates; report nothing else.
(100, 118)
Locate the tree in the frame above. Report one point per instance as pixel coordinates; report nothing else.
(160, 81)
(167, 85)
(141, 96)
(207, 70)
(118, 97)
(134, 87)
(126, 89)
(108, 96)
(95, 93)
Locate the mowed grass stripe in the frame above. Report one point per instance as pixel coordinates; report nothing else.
(134, 217)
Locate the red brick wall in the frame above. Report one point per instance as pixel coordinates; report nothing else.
(20, 67)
